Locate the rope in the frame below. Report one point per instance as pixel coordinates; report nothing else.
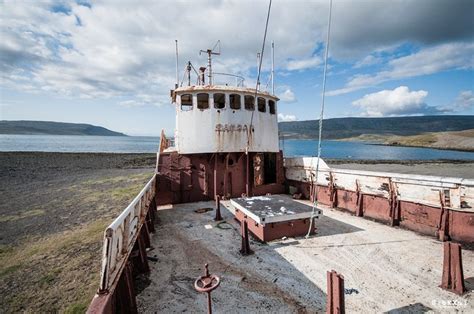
(315, 202)
(258, 76)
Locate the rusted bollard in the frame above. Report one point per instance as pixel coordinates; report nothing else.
(206, 284)
(335, 293)
(453, 277)
(218, 209)
(244, 230)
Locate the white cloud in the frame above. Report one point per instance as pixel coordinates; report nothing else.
(400, 101)
(118, 49)
(304, 64)
(424, 62)
(464, 101)
(286, 117)
(287, 96)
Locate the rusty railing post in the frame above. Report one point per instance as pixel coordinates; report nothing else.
(245, 248)
(335, 293)
(218, 209)
(453, 277)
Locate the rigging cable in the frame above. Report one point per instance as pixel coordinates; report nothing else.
(258, 78)
(315, 186)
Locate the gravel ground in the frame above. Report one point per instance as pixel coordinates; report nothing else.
(53, 211)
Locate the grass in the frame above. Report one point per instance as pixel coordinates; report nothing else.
(23, 215)
(60, 272)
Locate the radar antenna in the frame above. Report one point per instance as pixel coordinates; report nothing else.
(211, 52)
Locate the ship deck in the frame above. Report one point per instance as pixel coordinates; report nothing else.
(385, 269)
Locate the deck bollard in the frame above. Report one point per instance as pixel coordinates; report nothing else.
(218, 209)
(206, 284)
(335, 293)
(245, 249)
(453, 277)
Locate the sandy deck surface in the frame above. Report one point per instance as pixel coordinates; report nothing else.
(385, 268)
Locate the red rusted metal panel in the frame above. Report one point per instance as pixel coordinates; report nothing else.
(377, 208)
(277, 230)
(420, 218)
(347, 200)
(453, 277)
(461, 226)
(182, 178)
(335, 293)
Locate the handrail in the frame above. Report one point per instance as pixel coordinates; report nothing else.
(419, 189)
(121, 234)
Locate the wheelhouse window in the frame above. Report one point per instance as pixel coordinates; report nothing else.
(186, 102)
(203, 101)
(271, 107)
(234, 100)
(219, 101)
(261, 104)
(249, 102)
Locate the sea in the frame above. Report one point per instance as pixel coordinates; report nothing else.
(294, 147)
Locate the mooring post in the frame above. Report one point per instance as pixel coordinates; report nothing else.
(335, 293)
(218, 209)
(453, 277)
(245, 248)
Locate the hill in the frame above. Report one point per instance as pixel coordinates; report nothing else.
(341, 128)
(458, 140)
(53, 128)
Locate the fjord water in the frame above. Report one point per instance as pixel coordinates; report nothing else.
(145, 144)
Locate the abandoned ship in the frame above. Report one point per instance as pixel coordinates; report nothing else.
(228, 223)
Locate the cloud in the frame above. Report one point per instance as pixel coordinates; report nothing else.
(304, 64)
(398, 102)
(117, 50)
(287, 96)
(464, 101)
(424, 62)
(364, 26)
(286, 117)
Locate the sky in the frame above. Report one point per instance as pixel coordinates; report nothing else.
(112, 63)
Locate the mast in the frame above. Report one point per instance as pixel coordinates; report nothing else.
(177, 75)
(211, 52)
(273, 68)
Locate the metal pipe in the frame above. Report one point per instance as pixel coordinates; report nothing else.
(177, 75)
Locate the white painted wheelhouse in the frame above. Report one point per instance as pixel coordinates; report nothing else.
(214, 119)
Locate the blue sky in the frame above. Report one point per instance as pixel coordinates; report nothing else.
(112, 63)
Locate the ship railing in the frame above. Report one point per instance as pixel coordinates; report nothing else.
(120, 237)
(219, 78)
(433, 205)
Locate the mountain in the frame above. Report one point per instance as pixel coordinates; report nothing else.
(340, 128)
(53, 128)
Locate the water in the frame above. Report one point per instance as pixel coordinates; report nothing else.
(144, 144)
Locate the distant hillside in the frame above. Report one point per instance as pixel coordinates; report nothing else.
(340, 128)
(53, 128)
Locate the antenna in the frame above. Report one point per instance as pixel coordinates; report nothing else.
(177, 75)
(211, 52)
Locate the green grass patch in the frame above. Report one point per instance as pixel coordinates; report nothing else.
(22, 215)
